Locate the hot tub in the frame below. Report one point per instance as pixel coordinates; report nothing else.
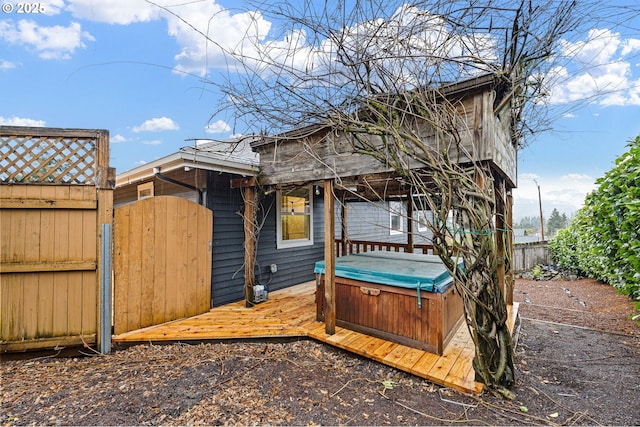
(401, 297)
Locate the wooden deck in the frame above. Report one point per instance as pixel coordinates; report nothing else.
(291, 313)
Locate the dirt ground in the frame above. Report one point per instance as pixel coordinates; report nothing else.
(577, 363)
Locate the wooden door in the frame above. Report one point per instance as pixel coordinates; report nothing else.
(162, 262)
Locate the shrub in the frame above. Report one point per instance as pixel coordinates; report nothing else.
(563, 249)
(603, 241)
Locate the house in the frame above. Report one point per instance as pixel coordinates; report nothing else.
(383, 221)
(319, 159)
(282, 195)
(520, 235)
(204, 173)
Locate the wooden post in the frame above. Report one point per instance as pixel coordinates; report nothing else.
(344, 233)
(500, 235)
(410, 224)
(541, 217)
(249, 244)
(509, 278)
(104, 183)
(329, 259)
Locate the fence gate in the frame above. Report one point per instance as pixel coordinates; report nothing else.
(162, 262)
(56, 190)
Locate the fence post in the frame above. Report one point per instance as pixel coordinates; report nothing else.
(104, 334)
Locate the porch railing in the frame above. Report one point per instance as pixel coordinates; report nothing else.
(361, 246)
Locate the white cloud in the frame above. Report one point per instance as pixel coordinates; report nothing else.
(117, 138)
(565, 193)
(21, 121)
(630, 46)
(223, 29)
(152, 142)
(398, 51)
(121, 12)
(204, 30)
(52, 7)
(197, 54)
(7, 65)
(54, 42)
(218, 127)
(157, 124)
(599, 70)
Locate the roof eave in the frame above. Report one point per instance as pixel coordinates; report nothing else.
(181, 160)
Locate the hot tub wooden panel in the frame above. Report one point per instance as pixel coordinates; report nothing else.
(392, 313)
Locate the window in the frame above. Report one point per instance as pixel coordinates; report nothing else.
(145, 190)
(396, 225)
(295, 218)
(421, 218)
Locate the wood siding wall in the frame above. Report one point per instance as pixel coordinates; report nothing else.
(295, 265)
(129, 192)
(290, 161)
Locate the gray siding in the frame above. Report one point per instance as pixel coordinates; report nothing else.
(227, 271)
(370, 221)
(295, 265)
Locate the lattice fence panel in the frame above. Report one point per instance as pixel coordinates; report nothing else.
(47, 160)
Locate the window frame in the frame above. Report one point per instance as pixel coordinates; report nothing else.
(417, 216)
(282, 243)
(396, 209)
(144, 187)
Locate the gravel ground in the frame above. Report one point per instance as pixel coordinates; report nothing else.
(577, 363)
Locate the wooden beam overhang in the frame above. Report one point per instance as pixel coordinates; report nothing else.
(243, 182)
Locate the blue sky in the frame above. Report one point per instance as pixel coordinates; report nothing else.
(126, 66)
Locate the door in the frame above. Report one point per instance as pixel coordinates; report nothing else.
(162, 262)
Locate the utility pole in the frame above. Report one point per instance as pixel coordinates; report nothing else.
(541, 218)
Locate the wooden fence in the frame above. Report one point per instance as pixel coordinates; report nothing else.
(55, 194)
(162, 262)
(528, 255)
(525, 255)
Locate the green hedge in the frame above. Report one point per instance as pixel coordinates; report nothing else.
(603, 241)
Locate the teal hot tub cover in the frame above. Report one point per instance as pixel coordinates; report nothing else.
(405, 270)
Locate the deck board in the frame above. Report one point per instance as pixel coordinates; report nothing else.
(291, 313)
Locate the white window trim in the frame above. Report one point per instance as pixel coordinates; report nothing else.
(143, 187)
(417, 215)
(396, 209)
(283, 244)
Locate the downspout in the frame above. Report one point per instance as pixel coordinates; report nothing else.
(181, 184)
